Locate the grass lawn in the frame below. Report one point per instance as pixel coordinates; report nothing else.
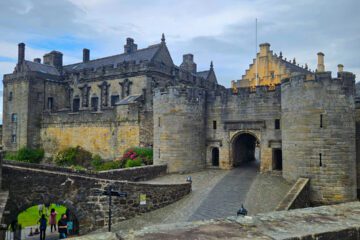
(30, 216)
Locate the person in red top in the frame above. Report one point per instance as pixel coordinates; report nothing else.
(52, 220)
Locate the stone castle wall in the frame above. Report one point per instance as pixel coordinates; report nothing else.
(179, 128)
(244, 112)
(107, 133)
(318, 135)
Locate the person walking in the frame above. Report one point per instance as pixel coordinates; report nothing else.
(52, 219)
(43, 224)
(62, 227)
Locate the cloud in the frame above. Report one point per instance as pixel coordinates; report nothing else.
(222, 31)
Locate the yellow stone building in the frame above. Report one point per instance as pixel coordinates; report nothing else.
(271, 68)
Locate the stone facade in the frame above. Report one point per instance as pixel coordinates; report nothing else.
(141, 98)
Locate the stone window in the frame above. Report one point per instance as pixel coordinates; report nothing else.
(85, 95)
(50, 103)
(13, 138)
(10, 96)
(14, 118)
(104, 87)
(159, 121)
(320, 160)
(94, 103)
(125, 88)
(114, 99)
(272, 74)
(214, 125)
(277, 123)
(76, 104)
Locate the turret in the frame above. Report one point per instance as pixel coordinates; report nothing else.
(179, 128)
(318, 135)
(86, 55)
(264, 49)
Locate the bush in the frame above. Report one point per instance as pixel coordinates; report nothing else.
(133, 163)
(144, 155)
(73, 156)
(96, 161)
(26, 155)
(109, 165)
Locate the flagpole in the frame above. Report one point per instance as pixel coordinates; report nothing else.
(256, 60)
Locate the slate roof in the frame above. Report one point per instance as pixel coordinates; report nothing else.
(145, 54)
(294, 68)
(44, 68)
(203, 74)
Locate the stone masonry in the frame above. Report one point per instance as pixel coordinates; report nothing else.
(300, 122)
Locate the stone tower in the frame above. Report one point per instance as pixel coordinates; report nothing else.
(179, 128)
(318, 134)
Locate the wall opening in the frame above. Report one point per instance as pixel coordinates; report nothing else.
(321, 120)
(214, 125)
(277, 159)
(76, 104)
(114, 99)
(277, 123)
(215, 156)
(50, 103)
(27, 223)
(245, 149)
(94, 103)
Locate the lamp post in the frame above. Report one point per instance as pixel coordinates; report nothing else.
(111, 193)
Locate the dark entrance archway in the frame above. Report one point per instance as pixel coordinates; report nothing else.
(277, 159)
(215, 156)
(245, 149)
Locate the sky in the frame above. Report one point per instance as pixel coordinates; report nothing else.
(222, 31)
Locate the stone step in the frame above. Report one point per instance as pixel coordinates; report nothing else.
(3, 199)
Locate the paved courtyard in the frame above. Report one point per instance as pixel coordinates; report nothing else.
(215, 194)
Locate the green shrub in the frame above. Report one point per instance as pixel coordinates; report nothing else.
(26, 155)
(96, 161)
(73, 156)
(108, 165)
(78, 168)
(133, 163)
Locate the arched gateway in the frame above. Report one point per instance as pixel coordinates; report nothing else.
(245, 149)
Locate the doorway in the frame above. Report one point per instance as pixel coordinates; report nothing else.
(215, 156)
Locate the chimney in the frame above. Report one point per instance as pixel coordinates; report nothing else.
(188, 63)
(320, 65)
(86, 55)
(340, 68)
(54, 58)
(21, 52)
(37, 60)
(130, 46)
(264, 49)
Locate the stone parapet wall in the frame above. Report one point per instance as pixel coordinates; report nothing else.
(83, 195)
(338, 222)
(128, 174)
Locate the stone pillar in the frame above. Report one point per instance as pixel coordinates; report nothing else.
(86, 55)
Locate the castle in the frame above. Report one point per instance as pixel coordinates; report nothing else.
(297, 121)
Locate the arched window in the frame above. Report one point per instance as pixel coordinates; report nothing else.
(14, 118)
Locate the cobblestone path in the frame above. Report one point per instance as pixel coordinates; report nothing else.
(228, 194)
(215, 193)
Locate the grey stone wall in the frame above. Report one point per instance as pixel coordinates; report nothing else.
(246, 111)
(324, 153)
(297, 197)
(179, 128)
(82, 195)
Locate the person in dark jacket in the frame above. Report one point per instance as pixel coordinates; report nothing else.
(62, 227)
(43, 225)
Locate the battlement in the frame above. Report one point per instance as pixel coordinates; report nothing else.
(190, 94)
(345, 79)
